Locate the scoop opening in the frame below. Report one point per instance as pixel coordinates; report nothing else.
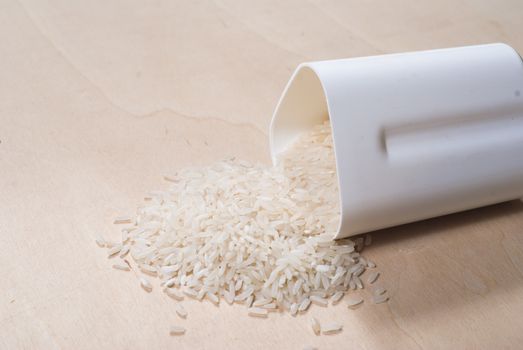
(302, 105)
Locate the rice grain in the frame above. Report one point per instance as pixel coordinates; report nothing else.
(379, 291)
(337, 297)
(331, 328)
(174, 293)
(177, 330)
(122, 220)
(304, 305)
(373, 277)
(257, 312)
(191, 293)
(316, 327)
(125, 250)
(121, 267)
(378, 299)
(100, 241)
(146, 285)
(114, 250)
(354, 301)
(180, 310)
(319, 300)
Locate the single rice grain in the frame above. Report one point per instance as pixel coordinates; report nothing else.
(373, 277)
(337, 297)
(319, 300)
(270, 306)
(213, 298)
(354, 301)
(304, 305)
(122, 220)
(177, 330)
(316, 327)
(125, 250)
(146, 285)
(100, 241)
(180, 310)
(121, 267)
(191, 293)
(149, 270)
(331, 328)
(378, 299)
(379, 291)
(174, 293)
(257, 312)
(114, 250)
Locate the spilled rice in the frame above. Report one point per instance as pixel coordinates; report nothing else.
(250, 234)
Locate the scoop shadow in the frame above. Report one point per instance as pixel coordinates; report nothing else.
(440, 224)
(446, 264)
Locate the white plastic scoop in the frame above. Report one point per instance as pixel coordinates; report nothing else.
(416, 135)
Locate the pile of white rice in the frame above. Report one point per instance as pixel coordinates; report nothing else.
(251, 234)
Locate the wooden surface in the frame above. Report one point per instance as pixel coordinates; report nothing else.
(98, 99)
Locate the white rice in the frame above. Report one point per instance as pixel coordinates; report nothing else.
(213, 298)
(114, 250)
(191, 293)
(123, 220)
(381, 298)
(146, 285)
(294, 309)
(228, 295)
(125, 250)
(358, 282)
(354, 300)
(261, 302)
(331, 328)
(174, 293)
(110, 244)
(319, 300)
(257, 312)
(180, 310)
(373, 277)
(379, 291)
(100, 241)
(149, 270)
(337, 297)
(316, 327)
(177, 330)
(121, 267)
(251, 234)
(304, 305)
(169, 178)
(270, 306)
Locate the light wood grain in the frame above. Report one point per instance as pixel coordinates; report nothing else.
(98, 99)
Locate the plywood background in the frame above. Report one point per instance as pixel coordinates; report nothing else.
(98, 99)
